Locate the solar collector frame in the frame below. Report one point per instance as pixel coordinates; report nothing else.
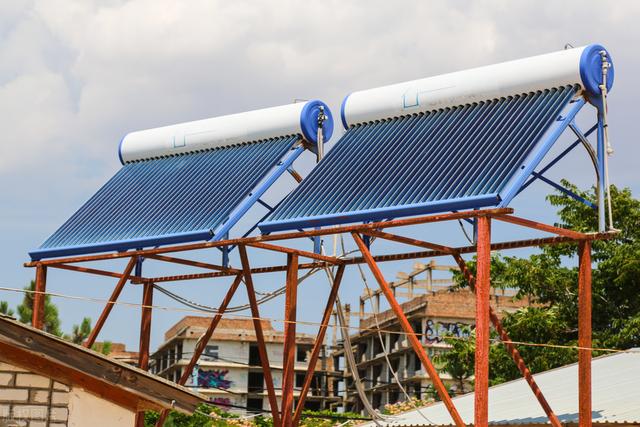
(450, 159)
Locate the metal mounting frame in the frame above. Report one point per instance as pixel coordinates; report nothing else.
(287, 415)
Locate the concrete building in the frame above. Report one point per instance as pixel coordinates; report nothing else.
(46, 381)
(435, 309)
(229, 371)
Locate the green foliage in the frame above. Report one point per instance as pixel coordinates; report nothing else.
(80, 332)
(459, 362)
(549, 279)
(212, 416)
(4, 309)
(51, 319)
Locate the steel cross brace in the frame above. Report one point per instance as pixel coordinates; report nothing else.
(203, 341)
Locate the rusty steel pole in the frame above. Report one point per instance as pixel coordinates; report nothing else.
(584, 335)
(203, 341)
(511, 348)
(411, 335)
(315, 352)
(257, 326)
(289, 351)
(37, 312)
(112, 300)
(481, 407)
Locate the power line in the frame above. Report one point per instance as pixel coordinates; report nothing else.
(300, 322)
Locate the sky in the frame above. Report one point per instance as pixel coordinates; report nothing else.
(75, 76)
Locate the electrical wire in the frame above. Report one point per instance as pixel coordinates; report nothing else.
(306, 322)
(374, 310)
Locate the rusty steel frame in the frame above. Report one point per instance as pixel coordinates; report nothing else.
(203, 341)
(289, 416)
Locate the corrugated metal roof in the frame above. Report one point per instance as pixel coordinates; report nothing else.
(167, 200)
(615, 388)
(444, 160)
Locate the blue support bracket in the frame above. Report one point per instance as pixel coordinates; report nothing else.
(564, 190)
(534, 160)
(257, 193)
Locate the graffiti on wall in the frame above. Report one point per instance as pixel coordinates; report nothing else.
(437, 331)
(216, 378)
(222, 402)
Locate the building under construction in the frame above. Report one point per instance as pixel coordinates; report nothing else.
(435, 309)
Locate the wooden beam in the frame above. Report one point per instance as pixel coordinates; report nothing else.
(69, 363)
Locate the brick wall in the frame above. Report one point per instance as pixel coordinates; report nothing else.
(31, 400)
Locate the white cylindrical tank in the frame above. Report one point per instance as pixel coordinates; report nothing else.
(299, 118)
(581, 66)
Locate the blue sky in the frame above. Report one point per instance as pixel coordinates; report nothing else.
(75, 76)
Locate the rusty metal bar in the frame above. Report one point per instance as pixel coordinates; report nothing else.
(194, 263)
(96, 271)
(483, 282)
(517, 244)
(542, 227)
(283, 236)
(112, 299)
(315, 352)
(289, 351)
(203, 341)
(297, 252)
(411, 335)
(257, 325)
(511, 348)
(408, 241)
(39, 297)
(584, 335)
(145, 326)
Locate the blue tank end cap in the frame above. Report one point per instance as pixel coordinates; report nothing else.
(591, 70)
(342, 113)
(120, 149)
(309, 121)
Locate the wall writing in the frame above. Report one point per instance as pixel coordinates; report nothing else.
(216, 378)
(437, 331)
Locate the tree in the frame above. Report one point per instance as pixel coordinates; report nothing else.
(4, 309)
(549, 278)
(459, 362)
(51, 319)
(80, 332)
